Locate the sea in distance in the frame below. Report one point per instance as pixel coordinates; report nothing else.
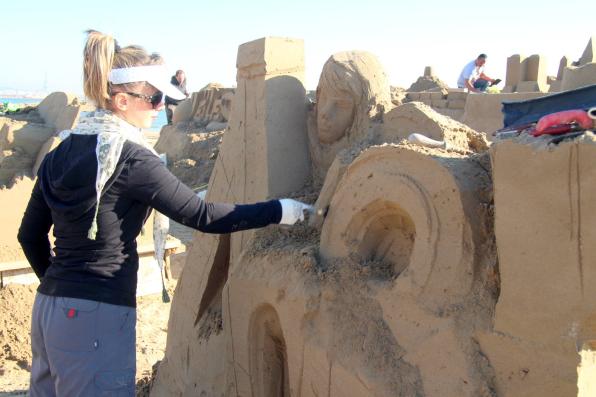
(159, 122)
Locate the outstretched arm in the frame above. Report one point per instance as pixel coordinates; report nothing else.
(152, 183)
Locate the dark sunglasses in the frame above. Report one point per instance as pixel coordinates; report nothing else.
(154, 99)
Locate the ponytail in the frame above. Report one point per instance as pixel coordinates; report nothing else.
(98, 58)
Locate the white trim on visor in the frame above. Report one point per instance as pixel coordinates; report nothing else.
(156, 75)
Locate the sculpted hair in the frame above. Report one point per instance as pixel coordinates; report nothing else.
(102, 54)
(360, 75)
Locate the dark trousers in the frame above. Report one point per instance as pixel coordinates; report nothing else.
(481, 84)
(82, 348)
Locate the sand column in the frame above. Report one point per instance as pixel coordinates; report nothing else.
(265, 150)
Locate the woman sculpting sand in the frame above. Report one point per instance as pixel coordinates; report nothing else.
(96, 189)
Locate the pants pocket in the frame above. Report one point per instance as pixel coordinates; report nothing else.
(115, 383)
(73, 326)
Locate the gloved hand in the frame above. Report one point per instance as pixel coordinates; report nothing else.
(292, 211)
(201, 194)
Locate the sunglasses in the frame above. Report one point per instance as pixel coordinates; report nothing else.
(154, 99)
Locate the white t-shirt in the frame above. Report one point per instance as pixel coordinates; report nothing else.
(470, 72)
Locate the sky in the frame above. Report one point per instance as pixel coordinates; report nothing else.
(42, 41)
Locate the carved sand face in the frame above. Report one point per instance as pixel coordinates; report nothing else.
(335, 114)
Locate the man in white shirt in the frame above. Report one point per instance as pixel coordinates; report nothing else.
(472, 76)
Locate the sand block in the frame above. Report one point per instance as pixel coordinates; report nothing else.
(589, 55)
(547, 308)
(388, 207)
(428, 71)
(555, 86)
(483, 111)
(563, 63)
(508, 89)
(457, 93)
(576, 77)
(531, 306)
(531, 86)
(515, 73)
(60, 111)
(535, 69)
(456, 103)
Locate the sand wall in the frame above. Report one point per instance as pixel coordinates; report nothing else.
(543, 221)
(483, 111)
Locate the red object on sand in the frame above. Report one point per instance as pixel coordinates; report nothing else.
(548, 124)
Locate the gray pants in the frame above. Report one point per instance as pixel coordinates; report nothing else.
(82, 348)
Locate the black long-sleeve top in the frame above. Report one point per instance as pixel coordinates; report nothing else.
(105, 269)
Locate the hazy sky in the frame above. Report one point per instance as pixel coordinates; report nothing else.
(42, 41)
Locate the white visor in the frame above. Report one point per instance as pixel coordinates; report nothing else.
(156, 75)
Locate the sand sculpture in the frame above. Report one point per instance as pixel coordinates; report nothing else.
(526, 74)
(277, 307)
(26, 137)
(427, 82)
(398, 290)
(436, 272)
(544, 317)
(266, 137)
(192, 142)
(209, 108)
(352, 96)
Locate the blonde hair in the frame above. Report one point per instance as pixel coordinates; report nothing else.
(361, 75)
(100, 56)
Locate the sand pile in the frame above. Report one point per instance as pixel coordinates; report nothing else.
(191, 154)
(427, 83)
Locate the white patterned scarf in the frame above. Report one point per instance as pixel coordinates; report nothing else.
(111, 132)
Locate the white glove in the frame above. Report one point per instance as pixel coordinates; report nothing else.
(292, 211)
(201, 194)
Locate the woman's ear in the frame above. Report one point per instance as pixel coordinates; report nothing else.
(120, 101)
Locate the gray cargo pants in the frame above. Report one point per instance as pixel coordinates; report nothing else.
(82, 348)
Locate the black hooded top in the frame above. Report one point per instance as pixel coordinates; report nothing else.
(105, 269)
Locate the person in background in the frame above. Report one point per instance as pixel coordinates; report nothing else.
(178, 80)
(96, 189)
(473, 78)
